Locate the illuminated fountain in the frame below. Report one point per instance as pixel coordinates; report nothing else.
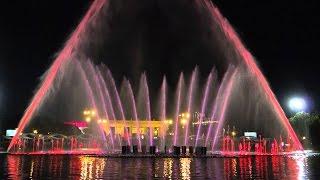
(80, 108)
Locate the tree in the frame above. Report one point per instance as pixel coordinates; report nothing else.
(307, 127)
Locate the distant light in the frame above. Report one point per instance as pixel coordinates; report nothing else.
(183, 121)
(88, 119)
(35, 131)
(297, 104)
(188, 115)
(304, 138)
(233, 133)
(11, 132)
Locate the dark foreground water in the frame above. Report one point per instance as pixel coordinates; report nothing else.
(86, 167)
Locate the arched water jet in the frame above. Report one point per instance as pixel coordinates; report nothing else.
(91, 97)
(248, 60)
(114, 107)
(64, 56)
(118, 102)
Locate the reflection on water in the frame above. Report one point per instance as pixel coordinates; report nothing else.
(185, 168)
(92, 168)
(86, 167)
(167, 168)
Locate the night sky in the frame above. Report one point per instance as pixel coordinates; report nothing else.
(282, 35)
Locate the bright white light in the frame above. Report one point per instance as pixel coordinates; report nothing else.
(297, 104)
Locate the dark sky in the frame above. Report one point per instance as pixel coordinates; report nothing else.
(282, 35)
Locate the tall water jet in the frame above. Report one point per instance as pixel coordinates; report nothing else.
(217, 103)
(108, 99)
(147, 103)
(177, 109)
(249, 61)
(134, 111)
(203, 106)
(107, 105)
(190, 103)
(103, 94)
(63, 57)
(163, 108)
(224, 104)
(91, 96)
(118, 102)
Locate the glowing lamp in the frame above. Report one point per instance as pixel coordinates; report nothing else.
(35, 131)
(183, 121)
(168, 121)
(297, 104)
(88, 119)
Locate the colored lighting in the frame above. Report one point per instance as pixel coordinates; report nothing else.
(62, 58)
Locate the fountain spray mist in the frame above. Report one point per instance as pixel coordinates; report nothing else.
(64, 56)
(249, 61)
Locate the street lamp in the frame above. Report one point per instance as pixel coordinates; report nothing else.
(297, 104)
(89, 115)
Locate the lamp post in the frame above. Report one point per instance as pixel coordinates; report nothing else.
(299, 105)
(89, 115)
